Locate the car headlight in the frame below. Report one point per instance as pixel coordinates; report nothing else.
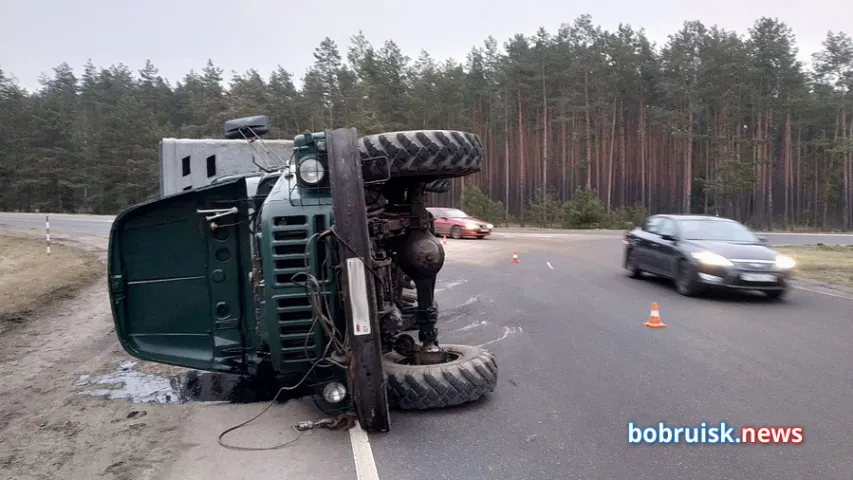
(490, 226)
(784, 262)
(709, 258)
(471, 226)
(311, 171)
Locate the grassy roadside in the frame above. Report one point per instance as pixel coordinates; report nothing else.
(825, 263)
(31, 279)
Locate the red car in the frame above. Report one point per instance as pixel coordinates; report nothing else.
(458, 224)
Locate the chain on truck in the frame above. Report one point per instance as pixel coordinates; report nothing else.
(322, 279)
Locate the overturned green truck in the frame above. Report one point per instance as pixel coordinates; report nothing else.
(324, 277)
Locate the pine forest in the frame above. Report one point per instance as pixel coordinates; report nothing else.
(583, 127)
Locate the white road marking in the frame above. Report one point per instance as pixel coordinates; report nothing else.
(365, 465)
(507, 331)
(469, 301)
(450, 285)
(823, 293)
(472, 325)
(549, 265)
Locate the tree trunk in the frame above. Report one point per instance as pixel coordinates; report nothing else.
(563, 177)
(610, 157)
(623, 197)
(506, 159)
(588, 132)
(544, 135)
(643, 197)
(521, 162)
(688, 156)
(845, 223)
(768, 155)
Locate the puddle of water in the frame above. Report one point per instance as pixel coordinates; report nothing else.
(128, 384)
(125, 383)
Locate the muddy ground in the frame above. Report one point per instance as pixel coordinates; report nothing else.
(47, 429)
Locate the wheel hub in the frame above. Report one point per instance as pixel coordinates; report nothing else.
(431, 354)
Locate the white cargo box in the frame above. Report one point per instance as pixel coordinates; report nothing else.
(191, 163)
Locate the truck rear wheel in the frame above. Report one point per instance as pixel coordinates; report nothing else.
(471, 373)
(426, 153)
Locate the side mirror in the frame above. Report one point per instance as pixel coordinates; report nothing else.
(375, 169)
(667, 237)
(764, 240)
(247, 127)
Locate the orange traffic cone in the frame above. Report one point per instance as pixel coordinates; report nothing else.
(515, 258)
(654, 318)
(445, 240)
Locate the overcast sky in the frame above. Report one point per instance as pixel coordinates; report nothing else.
(180, 35)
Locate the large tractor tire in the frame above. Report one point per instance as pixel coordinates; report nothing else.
(442, 185)
(426, 153)
(469, 375)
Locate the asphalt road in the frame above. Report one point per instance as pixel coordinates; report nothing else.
(576, 365)
(99, 225)
(61, 224)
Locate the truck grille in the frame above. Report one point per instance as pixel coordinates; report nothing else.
(293, 310)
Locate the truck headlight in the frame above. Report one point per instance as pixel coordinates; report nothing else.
(709, 258)
(334, 392)
(785, 262)
(311, 171)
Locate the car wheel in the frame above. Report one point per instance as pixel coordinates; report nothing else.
(631, 265)
(456, 232)
(776, 294)
(685, 282)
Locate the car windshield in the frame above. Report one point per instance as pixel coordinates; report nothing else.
(454, 213)
(716, 230)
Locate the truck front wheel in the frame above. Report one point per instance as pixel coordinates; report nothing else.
(469, 374)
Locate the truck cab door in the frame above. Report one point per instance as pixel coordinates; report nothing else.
(179, 289)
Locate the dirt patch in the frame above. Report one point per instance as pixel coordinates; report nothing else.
(58, 328)
(31, 280)
(831, 264)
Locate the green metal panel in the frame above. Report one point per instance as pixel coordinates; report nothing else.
(179, 291)
(286, 313)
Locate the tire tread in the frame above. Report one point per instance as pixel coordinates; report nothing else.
(439, 386)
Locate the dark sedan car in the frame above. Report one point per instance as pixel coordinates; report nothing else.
(699, 252)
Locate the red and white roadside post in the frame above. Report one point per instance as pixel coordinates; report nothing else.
(47, 232)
